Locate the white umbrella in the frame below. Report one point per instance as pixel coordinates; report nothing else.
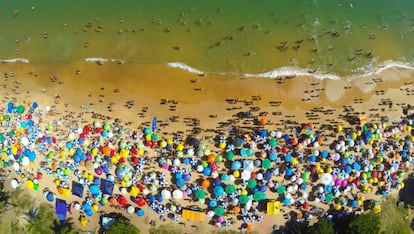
(246, 175)
(25, 161)
(25, 141)
(166, 194)
(123, 190)
(259, 176)
(231, 177)
(190, 151)
(177, 194)
(273, 133)
(77, 206)
(210, 213)
(176, 162)
(14, 183)
(200, 168)
(326, 179)
(278, 134)
(16, 166)
(130, 209)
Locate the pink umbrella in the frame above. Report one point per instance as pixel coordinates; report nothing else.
(214, 166)
(165, 166)
(220, 219)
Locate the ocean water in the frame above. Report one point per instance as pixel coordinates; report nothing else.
(331, 39)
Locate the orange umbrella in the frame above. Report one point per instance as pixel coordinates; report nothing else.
(205, 183)
(263, 121)
(236, 209)
(211, 158)
(60, 190)
(249, 227)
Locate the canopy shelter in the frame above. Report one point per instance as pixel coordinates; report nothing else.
(107, 187)
(61, 209)
(77, 189)
(193, 215)
(107, 221)
(273, 208)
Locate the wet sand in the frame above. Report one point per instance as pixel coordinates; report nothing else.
(135, 93)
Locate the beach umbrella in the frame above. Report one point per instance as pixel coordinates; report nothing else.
(266, 164)
(224, 177)
(140, 212)
(281, 189)
(258, 196)
(130, 209)
(166, 194)
(200, 194)
(329, 197)
(305, 176)
(244, 199)
(50, 197)
(218, 191)
(251, 183)
(326, 179)
(141, 202)
(122, 200)
(230, 188)
(219, 211)
(246, 175)
(230, 155)
(272, 142)
(212, 203)
(77, 206)
(236, 165)
(14, 183)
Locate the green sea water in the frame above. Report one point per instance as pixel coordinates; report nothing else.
(238, 36)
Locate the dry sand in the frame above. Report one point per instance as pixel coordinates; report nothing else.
(136, 93)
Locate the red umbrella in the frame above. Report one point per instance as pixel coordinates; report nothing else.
(122, 200)
(134, 160)
(305, 205)
(140, 202)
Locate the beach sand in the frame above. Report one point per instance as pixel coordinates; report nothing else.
(135, 93)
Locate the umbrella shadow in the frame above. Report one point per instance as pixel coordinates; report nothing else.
(406, 194)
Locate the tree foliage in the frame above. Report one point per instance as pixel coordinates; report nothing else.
(122, 226)
(323, 226)
(368, 223)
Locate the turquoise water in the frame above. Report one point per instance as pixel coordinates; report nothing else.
(338, 37)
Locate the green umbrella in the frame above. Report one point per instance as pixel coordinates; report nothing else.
(200, 194)
(20, 109)
(230, 155)
(219, 211)
(258, 196)
(281, 190)
(219, 158)
(266, 163)
(251, 183)
(230, 188)
(273, 142)
(305, 176)
(329, 197)
(243, 199)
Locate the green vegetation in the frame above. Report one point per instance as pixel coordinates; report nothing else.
(323, 226)
(393, 218)
(165, 229)
(122, 226)
(368, 223)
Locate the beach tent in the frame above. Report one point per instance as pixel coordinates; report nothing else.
(273, 207)
(193, 215)
(77, 189)
(106, 221)
(60, 209)
(248, 165)
(107, 187)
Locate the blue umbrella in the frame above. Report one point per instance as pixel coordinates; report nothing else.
(159, 198)
(273, 156)
(207, 171)
(288, 158)
(94, 189)
(180, 183)
(289, 172)
(50, 197)
(154, 124)
(140, 212)
(286, 201)
(263, 133)
(212, 203)
(186, 161)
(267, 175)
(218, 191)
(186, 177)
(263, 188)
(151, 198)
(178, 176)
(236, 165)
(312, 158)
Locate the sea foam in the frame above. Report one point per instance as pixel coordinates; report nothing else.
(281, 72)
(15, 60)
(185, 67)
(99, 59)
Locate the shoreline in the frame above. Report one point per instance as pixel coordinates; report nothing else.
(137, 93)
